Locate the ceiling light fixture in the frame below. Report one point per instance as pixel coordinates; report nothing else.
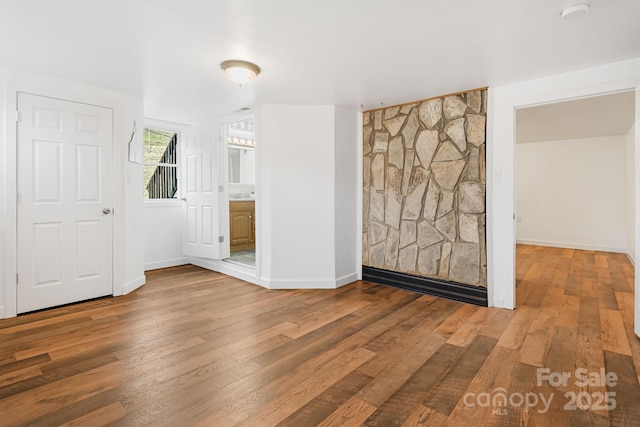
(575, 9)
(240, 71)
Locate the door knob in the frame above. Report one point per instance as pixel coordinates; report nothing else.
(106, 211)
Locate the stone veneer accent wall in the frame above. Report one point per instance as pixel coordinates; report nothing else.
(424, 188)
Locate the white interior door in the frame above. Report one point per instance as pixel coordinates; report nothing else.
(201, 196)
(64, 202)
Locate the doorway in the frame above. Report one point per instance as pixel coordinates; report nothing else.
(240, 182)
(65, 202)
(575, 175)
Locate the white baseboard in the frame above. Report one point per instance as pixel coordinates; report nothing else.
(299, 284)
(165, 264)
(570, 245)
(632, 260)
(209, 264)
(349, 278)
(133, 285)
(247, 274)
(499, 303)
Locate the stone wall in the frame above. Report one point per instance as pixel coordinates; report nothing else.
(424, 188)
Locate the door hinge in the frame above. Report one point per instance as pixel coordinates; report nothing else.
(220, 188)
(17, 279)
(220, 239)
(17, 116)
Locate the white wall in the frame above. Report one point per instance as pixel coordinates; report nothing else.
(503, 102)
(301, 211)
(571, 193)
(129, 179)
(128, 271)
(630, 189)
(346, 195)
(299, 197)
(163, 234)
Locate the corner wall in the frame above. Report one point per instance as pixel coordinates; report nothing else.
(346, 196)
(307, 197)
(630, 190)
(163, 234)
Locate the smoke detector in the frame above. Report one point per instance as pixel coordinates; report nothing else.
(575, 9)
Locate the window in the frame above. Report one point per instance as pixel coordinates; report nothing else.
(160, 164)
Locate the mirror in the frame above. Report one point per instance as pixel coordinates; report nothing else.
(242, 165)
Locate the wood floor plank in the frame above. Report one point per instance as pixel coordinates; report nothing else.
(195, 347)
(516, 332)
(354, 413)
(102, 416)
(23, 407)
(491, 376)
(423, 416)
(627, 389)
(449, 390)
(397, 373)
(15, 376)
(538, 339)
(323, 405)
(291, 400)
(451, 325)
(613, 335)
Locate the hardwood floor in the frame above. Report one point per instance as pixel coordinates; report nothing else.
(194, 347)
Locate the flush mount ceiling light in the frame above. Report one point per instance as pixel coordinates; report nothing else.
(575, 9)
(240, 71)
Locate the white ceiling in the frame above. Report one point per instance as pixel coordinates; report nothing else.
(344, 52)
(605, 115)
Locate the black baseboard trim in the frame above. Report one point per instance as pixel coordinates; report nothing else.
(425, 285)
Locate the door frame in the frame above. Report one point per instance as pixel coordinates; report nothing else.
(68, 92)
(74, 288)
(245, 273)
(504, 101)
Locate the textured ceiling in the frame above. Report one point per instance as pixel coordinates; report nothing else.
(345, 52)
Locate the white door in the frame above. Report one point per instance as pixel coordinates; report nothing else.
(64, 202)
(201, 182)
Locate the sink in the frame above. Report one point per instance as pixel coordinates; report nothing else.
(240, 197)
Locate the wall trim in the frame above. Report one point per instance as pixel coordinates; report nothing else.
(247, 274)
(133, 285)
(426, 99)
(571, 245)
(632, 260)
(165, 264)
(346, 279)
(209, 264)
(359, 191)
(425, 285)
(299, 284)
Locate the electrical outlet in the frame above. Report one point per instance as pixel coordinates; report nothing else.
(519, 218)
